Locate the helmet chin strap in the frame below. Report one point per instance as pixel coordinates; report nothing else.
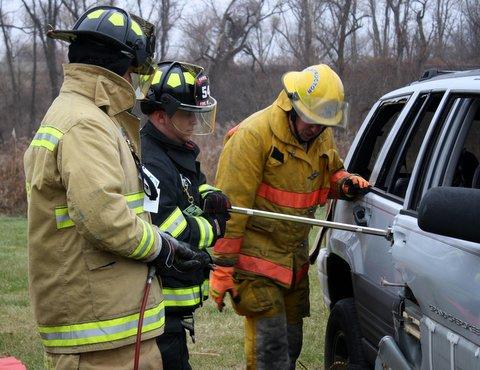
(292, 119)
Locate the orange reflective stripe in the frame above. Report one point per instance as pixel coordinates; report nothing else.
(340, 174)
(266, 268)
(300, 274)
(228, 245)
(290, 199)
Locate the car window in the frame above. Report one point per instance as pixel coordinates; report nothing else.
(463, 168)
(375, 135)
(396, 171)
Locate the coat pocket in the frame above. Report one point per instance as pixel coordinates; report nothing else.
(261, 224)
(254, 297)
(99, 260)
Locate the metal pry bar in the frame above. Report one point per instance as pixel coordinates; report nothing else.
(386, 233)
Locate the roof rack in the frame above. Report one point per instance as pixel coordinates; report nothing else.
(434, 72)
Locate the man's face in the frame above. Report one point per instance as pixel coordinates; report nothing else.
(308, 131)
(178, 128)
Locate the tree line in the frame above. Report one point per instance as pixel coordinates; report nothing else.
(246, 45)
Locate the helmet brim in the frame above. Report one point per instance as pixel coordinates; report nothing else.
(288, 80)
(72, 35)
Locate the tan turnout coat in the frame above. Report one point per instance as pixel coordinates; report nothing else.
(88, 237)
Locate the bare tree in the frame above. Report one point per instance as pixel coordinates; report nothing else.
(380, 38)
(300, 23)
(9, 57)
(401, 17)
(444, 18)
(164, 15)
(218, 37)
(421, 41)
(343, 23)
(45, 13)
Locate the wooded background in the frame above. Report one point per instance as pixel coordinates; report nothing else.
(245, 46)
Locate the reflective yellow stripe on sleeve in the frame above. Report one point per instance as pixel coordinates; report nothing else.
(182, 297)
(205, 288)
(145, 246)
(46, 137)
(206, 232)
(204, 189)
(134, 202)
(175, 224)
(102, 331)
(62, 218)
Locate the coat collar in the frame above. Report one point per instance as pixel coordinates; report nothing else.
(105, 88)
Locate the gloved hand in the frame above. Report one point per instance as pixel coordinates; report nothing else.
(178, 255)
(218, 222)
(221, 282)
(355, 185)
(216, 202)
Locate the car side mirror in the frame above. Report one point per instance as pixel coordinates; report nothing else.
(453, 212)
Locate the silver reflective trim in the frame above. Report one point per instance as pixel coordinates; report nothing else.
(45, 136)
(91, 333)
(182, 297)
(146, 243)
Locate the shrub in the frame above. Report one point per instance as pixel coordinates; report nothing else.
(13, 199)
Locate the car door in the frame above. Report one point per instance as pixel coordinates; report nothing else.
(443, 273)
(370, 256)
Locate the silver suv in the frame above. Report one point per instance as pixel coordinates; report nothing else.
(411, 302)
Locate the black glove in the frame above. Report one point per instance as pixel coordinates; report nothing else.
(215, 203)
(218, 222)
(178, 255)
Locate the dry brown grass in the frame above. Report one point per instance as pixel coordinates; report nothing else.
(12, 179)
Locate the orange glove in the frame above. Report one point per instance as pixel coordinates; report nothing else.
(353, 183)
(221, 281)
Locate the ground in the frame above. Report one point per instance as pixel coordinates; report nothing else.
(219, 335)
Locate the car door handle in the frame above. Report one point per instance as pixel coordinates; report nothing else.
(360, 216)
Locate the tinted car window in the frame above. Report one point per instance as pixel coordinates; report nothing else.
(396, 172)
(375, 135)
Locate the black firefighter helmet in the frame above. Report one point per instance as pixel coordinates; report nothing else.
(182, 86)
(114, 27)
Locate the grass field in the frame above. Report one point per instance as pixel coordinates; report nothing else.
(219, 335)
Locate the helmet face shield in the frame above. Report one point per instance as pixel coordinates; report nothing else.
(322, 112)
(317, 95)
(141, 82)
(201, 119)
(144, 47)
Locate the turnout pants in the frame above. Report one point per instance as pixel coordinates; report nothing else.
(118, 358)
(273, 322)
(173, 344)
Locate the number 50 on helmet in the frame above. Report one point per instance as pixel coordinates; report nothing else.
(317, 95)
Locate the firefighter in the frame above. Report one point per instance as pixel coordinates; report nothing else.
(281, 159)
(179, 106)
(89, 239)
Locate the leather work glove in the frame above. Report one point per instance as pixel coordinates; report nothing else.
(221, 282)
(355, 185)
(178, 255)
(216, 203)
